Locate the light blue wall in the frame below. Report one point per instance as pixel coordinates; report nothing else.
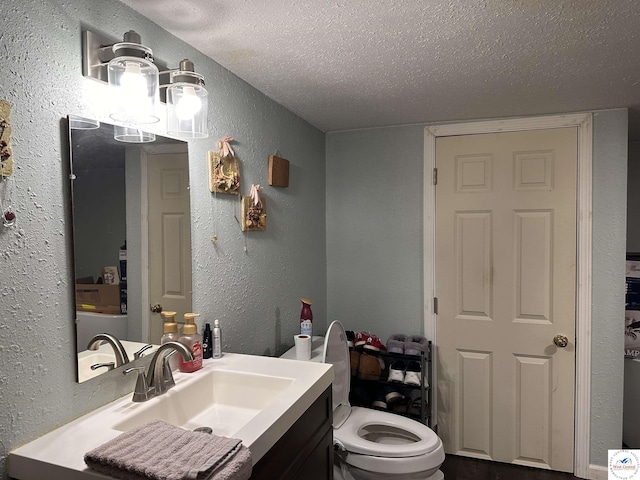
(255, 294)
(374, 247)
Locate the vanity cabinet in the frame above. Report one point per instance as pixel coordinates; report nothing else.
(305, 452)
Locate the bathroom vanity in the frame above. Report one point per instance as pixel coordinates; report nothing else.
(279, 408)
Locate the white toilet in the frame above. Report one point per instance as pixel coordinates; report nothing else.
(372, 444)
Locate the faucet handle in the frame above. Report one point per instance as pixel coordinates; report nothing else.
(140, 352)
(142, 391)
(109, 365)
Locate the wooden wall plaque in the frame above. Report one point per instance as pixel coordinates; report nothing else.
(278, 171)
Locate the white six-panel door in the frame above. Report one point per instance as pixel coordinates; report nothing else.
(169, 237)
(506, 283)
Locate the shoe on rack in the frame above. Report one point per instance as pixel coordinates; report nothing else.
(396, 371)
(401, 406)
(395, 343)
(412, 374)
(392, 396)
(415, 405)
(379, 401)
(416, 345)
(369, 368)
(374, 343)
(361, 340)
(350, 338)
(355, 362)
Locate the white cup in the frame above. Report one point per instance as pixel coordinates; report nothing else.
(303, 347)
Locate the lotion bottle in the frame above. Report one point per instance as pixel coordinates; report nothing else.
(170, 334)
(192, 339)
(217, 339)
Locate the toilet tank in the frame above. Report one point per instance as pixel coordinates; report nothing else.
(89, 324)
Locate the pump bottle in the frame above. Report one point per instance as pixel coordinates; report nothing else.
(170, 334)
(192, 339)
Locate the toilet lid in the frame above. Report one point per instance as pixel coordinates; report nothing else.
(384, 434)
(336, 352)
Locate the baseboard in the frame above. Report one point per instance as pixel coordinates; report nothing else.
(598, 472)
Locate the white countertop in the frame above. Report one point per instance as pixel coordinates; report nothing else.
(60, 453)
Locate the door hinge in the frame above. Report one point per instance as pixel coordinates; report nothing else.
(435, 305)
(435, 176)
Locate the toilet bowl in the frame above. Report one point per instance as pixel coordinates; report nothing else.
(372, 444)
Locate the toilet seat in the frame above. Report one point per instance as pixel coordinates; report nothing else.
(376, 441)
(404, 437)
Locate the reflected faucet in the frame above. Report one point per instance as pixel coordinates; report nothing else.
(159, 378)
(118, 349)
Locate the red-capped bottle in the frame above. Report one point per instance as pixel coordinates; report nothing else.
(306, 318)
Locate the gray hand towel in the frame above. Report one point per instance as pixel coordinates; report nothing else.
(161, 451)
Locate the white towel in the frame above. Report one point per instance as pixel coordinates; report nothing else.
(161, 451)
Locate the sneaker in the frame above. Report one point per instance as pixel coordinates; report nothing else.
(374, 343)
(361, 339)
(396, 372)
(412, 374)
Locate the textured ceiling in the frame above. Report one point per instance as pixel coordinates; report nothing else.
(343, 64)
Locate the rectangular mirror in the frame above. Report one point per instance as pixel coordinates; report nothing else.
(131, 238)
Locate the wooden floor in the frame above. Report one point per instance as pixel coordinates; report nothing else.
(463, 468)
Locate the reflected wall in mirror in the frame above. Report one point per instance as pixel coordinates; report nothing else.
(131, 239)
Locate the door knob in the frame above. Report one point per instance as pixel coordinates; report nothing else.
(561, 341)
(157, 308)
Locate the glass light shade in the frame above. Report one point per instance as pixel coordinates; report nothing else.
(187, 105)
(132, 135)
(134, 83)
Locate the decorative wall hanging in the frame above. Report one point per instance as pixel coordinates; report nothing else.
(254, 211)
(278, 171)
(224, 171)
(6, 160)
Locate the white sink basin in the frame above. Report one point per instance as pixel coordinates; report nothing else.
(256, 399)
(222, 400)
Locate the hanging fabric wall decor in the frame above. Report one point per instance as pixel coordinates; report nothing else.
(224, 171)
(6, 161)
(254, 211)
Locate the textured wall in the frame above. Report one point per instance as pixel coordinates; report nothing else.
(254, 293)
(609, 248)
(633, 198)
(374, 247)
(374, 229)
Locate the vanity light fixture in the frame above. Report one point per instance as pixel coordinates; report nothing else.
(138, 87)
(132, 135)
(187, 102)
(134, 82)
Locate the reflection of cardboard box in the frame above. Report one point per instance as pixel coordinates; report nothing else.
(98, 298)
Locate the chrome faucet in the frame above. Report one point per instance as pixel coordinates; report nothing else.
(118, 349)
(158, 378)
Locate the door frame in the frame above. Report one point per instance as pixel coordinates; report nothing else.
(583, 122)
